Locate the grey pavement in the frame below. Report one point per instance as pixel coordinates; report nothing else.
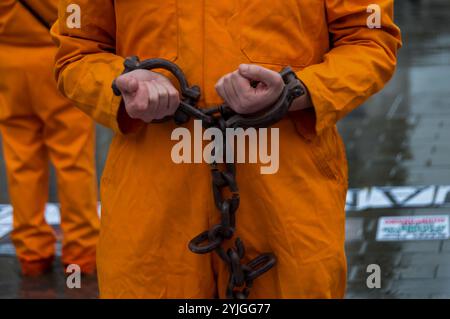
(400, 137)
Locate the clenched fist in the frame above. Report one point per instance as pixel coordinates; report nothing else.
(237, 91)
(148, 95)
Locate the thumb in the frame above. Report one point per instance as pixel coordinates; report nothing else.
(255, 72)
(127, 84)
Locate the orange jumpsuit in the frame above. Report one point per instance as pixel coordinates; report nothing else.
(152, 207)
(37, 123)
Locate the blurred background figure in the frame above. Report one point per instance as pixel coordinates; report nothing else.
(37, 124)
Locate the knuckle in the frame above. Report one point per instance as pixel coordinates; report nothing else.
(141, 107)
(131, 107)
(163, 94)
(132, 113)
(278, 79)
(176, 99)
(173, 93)
(154, 99)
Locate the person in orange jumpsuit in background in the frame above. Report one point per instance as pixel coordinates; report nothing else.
(37, 123)
(152, 207)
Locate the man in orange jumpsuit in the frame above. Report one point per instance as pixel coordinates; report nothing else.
(37, 123)
(152, 207)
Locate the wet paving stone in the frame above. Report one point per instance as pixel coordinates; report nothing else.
(402, 137)
(411, 286)
(417, 272)
(49, 286)
(359, 274)
(386, 261)
(425, 258)
(428, 176)
(404, 247)
(446, 246)
(443, 271)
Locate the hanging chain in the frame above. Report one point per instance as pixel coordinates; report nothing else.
(241, 275)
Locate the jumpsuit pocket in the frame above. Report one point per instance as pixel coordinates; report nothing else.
(279, 32)
(148, 29)
(327, 155)
(322, 161)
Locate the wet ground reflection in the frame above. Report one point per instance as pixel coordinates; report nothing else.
(401, 137)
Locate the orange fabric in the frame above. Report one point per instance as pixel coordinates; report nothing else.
(153, 207)
(38, 124)
(20, 28)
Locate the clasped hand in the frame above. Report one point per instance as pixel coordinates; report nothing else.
(149, 96)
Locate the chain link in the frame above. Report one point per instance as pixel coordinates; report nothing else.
(241, 275)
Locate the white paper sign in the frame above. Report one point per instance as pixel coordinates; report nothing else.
(413, 228)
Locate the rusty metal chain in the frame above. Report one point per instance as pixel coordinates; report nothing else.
(241, 275)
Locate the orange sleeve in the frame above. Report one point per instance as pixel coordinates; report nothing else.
(47, 9)
(359, 63)
(18, 27)
(86, 63)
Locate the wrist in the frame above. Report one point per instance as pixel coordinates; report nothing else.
(303, 102)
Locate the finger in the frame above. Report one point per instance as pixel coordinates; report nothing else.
(248, 95)
(127, 84)
(220, 90)
(153, 101)
(233, 98)
(258, 73)
(137, 104)
(163, 95)
(174, 99)
(242, 85)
